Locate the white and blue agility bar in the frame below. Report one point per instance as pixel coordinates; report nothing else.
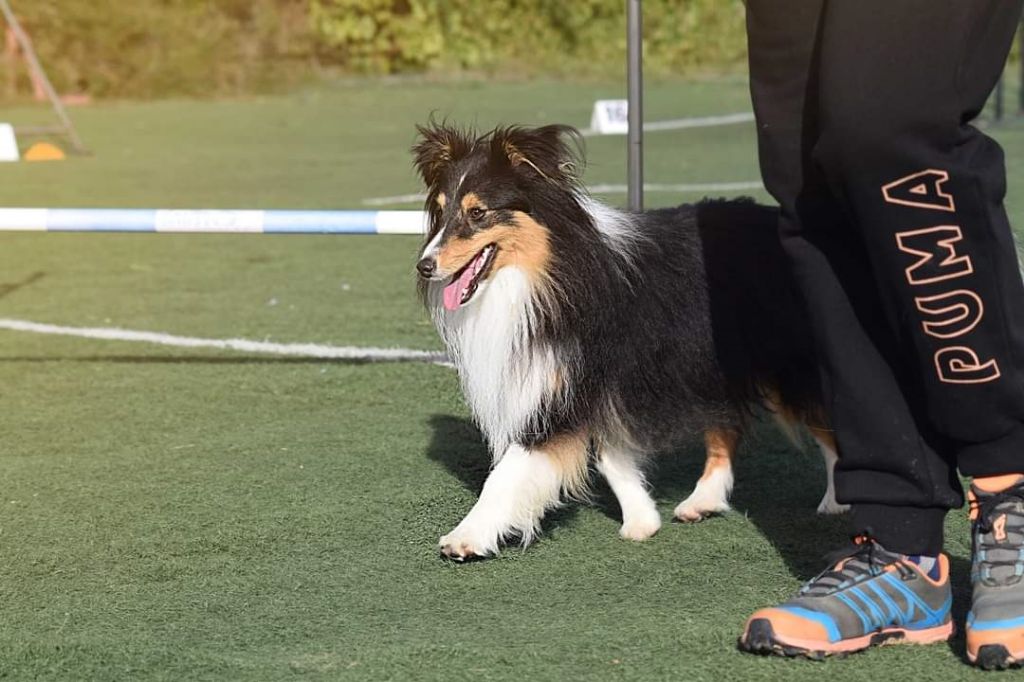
(210, 221)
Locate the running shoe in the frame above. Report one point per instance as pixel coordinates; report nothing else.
(995, 624)
(869, 596)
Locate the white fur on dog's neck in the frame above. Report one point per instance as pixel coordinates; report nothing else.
(504, 376)
(616, 227)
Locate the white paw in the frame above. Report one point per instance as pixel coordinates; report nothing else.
(698, 507)
(828, 505)
(465, 543)
(641, 527)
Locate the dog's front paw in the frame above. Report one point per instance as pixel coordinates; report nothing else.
(695, 508)
(463, 544)
(641, 527)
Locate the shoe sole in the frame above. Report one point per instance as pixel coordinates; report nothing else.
(760, 638)
(995, 657)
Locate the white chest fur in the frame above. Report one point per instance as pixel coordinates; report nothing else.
(504, 377)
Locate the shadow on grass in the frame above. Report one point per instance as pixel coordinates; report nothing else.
(777, 489)
(8, 288)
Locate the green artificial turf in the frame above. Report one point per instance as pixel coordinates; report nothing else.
(186, 514)
(334, 147)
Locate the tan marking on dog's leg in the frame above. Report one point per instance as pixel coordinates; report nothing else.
(786, 418)
(826, 440)
(711, 495)
(569, 455)
(522, 487)
(622, 468)
(815, 421)
(442, 199)
(825, 437)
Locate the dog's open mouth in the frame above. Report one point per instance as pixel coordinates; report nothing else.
(465, 282)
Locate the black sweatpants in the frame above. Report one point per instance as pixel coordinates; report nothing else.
(893, 220)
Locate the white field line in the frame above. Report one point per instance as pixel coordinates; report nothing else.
(693, 187)
(302, 350)
(700, 122)
(602, 189)
(684, 123)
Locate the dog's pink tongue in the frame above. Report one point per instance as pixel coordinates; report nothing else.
(453, 292)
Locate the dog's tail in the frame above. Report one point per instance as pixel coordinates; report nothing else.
(793, 422)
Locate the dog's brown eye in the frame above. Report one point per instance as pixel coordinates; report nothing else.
(477, 213)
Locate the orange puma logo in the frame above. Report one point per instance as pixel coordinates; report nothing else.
(954, 313)
(923, 190)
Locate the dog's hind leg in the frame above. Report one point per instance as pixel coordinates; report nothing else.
(789, 422)
(711, 496)
(524, 484)
(827, 444)
(621, 468)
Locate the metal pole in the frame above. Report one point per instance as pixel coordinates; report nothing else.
(1000, 97)
(40, 74)
(635, 86)
(1020, 91)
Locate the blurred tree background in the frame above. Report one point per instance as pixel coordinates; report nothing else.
(156, 48)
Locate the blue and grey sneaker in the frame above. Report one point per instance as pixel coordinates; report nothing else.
(995, 624)
(869, 596)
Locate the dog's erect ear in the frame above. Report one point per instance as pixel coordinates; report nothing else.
(554, 151)
(439, 146)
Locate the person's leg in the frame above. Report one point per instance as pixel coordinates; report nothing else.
(870, 593)
(878, 430)
(928, 307)
(899, 84)
(995, 623)
(925, 189)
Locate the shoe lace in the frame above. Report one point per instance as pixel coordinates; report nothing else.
(991, 555)
(863, 558)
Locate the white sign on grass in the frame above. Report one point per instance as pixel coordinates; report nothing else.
(610, 117)
(8, 143)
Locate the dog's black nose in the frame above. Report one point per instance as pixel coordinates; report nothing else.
(426, 267)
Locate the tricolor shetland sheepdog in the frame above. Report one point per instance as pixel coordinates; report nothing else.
(584, 333)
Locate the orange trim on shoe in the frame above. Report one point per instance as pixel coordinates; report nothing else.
(811, 645)
(995, 484)
(888, 636)
(1012, 642)
(943, 561)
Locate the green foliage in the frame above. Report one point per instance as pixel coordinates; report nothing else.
(162, 47)
(582, 36)
(211, 47)
(379, 36)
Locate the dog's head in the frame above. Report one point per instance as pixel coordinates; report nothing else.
(485, 197)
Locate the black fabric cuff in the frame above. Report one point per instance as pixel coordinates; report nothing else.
(907, 530)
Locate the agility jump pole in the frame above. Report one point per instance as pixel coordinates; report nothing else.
(635, 88)
(205, 221)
